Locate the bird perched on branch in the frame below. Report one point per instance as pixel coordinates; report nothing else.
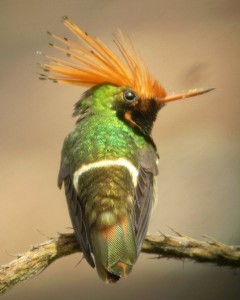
(109, 161)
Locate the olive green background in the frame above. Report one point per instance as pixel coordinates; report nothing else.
(186, 44)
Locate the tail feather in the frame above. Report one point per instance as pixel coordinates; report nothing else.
(114, 248)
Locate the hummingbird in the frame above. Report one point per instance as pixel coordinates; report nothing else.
(109, 162)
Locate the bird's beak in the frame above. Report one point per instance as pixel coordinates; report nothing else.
(186, 94)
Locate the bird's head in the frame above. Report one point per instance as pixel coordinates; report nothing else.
(123, 85)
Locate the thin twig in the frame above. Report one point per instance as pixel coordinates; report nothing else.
(33, 262)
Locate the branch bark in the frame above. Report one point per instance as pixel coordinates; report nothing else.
(39, 257)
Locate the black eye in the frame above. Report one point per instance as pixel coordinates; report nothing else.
(129, 96)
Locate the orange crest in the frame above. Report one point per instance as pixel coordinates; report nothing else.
(92, 63)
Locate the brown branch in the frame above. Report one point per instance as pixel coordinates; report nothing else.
(41, 256)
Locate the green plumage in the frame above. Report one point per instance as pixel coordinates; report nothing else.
(107, 167)
(100, 134)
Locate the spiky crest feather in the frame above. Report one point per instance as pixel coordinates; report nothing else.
(93, 63)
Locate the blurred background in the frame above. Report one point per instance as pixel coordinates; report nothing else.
(186, 44)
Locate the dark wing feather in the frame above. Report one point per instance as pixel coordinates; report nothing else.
(144, 195)
(76, 210)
